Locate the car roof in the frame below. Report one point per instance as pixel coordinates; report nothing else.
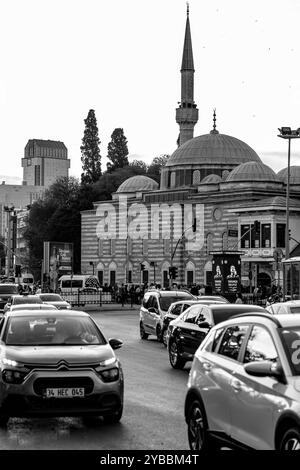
(281, 321)
(173, 293)
(62, 312)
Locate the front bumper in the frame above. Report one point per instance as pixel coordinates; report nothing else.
(26, 399)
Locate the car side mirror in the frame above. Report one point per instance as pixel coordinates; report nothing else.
(265, 369)
(115, 343)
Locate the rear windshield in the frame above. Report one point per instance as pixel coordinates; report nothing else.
(166, 301)
(27, 300)
(222, 314)
(74, 283)
(8, 289)
(50, 298)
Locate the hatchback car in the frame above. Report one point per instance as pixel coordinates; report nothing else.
(244, 385)
(54, 299)
(22, 299)
(177, 308)
(187, 332)
(154, 307)
(292, 306)
(58, 363)
(6, 292)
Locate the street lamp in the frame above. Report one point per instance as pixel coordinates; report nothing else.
(288, 133)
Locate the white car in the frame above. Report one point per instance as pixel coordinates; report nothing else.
(291, 306)
(56, 300)
(21, 300)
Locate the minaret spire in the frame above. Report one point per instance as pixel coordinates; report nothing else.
(187, 113)
(214, 131)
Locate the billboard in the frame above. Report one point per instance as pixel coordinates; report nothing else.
(226, 272)
(58, 259)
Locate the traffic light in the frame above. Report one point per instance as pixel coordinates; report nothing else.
(18, 270)
(194, 225)
(173, 272)
(142, 267)
(256, 226)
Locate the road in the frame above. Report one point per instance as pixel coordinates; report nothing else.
(154, 401)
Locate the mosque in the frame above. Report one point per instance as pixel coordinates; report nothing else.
(216, 172)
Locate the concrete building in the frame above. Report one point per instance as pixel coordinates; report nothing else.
(219, 176)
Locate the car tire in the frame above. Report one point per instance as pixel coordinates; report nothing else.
(174, 357)
(113, 418)
(164, 336)
(143, 334)
(198, 435)
(290, 440)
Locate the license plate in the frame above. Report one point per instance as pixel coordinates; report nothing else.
(64, 393)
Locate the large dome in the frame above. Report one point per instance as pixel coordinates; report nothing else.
(213, 148)
(253, 171)
(137, 183)
(294, 175)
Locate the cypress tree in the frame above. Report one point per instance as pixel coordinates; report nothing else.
(117, 151)
(90, 151)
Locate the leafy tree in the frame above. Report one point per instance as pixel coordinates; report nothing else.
(90, 151)
(117, 151)
(140, 166)
(156, 165)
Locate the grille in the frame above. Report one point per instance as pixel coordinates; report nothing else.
(40, 385)
(59, 365)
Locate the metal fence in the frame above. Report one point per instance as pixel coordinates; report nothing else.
(79, 298)
(254, 299)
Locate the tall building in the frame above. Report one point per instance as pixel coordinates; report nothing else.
(44, 161)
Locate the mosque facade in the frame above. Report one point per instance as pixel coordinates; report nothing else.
(217, 179)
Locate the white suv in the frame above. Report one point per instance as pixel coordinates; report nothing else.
(154, 307)
(244, 385)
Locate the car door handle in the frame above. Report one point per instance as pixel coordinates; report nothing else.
(207, 366)
(237, 385)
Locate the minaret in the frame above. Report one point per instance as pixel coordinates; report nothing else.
(187, 113)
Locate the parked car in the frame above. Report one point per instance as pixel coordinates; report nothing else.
(292, 306)
(177, 308)
(243, 386)
(58, 364)
(6, 291)
(154, 307)
(188, 331)
(54, 299)
(22, 299)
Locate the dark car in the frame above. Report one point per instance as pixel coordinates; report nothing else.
(6, 292)
(186, 333)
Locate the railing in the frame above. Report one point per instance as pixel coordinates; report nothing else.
(255, 299)
(79, 298)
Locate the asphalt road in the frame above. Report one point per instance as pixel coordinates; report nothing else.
(154, 400)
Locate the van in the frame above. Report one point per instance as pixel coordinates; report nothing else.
(26, 280)
(68, 283)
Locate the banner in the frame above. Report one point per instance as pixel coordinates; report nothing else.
(58, 259)
(226, 270)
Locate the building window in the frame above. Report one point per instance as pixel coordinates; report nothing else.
(100, 277)
(129, 276)
(196, 177)
(280, 235)
(100, 247)
(190, 278)
(255, 237)
(37, 175)
(112, 278)
(265, 235)
(245, 236)
(209, 243)
(173, 179)
(166, 246)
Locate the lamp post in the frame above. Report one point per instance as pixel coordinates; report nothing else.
(288, 133)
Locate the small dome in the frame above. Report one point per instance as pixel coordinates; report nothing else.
(137, 183)
(253, 171)
(294, 175)
(211, 179)
(213, 148)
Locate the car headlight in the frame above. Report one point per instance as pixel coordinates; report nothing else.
(13, 376)
(110, 375)
(11, 363)
(108, 362)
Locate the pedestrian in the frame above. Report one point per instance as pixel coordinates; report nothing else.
(239, 298)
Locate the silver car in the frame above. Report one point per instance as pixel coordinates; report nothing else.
(58, 363)
(244, 385)
(54, 299)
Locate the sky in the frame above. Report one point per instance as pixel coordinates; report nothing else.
(60, 58)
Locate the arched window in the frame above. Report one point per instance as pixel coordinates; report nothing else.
(209, 243)
(196, 177)
(190, 273)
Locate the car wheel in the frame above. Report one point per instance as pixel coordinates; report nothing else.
(290, 440)
(159, 333)
(143, 334)
(114, 417)
(164, 337)
(197, 428)
(175, 360)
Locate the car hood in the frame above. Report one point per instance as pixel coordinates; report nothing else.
(53, 354)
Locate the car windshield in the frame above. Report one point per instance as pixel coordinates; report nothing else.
(165, 301)
(50, 297)
(27, 300)
(12, 289)
(291, 341)
(52, 331)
